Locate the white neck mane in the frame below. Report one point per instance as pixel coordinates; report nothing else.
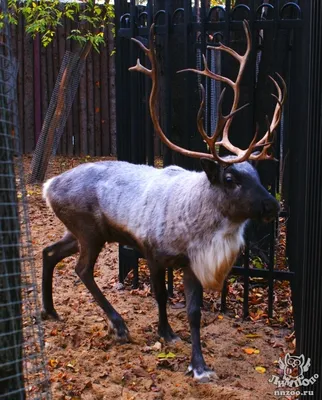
(212, 260)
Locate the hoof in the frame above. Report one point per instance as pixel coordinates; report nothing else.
(202, 375)
(120, 332)
(168, 335)
(122, 338)
(52, 314)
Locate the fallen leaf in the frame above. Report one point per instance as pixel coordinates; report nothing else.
(157, 346)
(140, 373)
(71, 364)
(250, 350)
(54, 332)
(253, 335)
(60, 265)
(53, 363)
(166, 355)
(261, 370)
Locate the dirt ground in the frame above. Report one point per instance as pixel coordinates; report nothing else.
(86, 363)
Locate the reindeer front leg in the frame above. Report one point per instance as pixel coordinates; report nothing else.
(193, 292)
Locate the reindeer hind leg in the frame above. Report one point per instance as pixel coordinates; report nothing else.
(90, 249)
(65, 247)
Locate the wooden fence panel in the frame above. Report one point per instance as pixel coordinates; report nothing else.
(90, 104)
(87, 129)
(105, 105)
(28, 85)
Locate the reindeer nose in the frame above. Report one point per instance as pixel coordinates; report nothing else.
(270, 209)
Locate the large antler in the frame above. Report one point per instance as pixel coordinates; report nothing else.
(223, 121)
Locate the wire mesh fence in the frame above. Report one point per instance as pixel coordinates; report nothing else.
(59, 108)
(22, 364)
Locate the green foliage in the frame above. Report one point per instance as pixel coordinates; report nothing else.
(221, 3)
(217, 3)
(257, 263)
(44, 16)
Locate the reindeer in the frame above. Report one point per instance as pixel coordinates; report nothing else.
(174, 217)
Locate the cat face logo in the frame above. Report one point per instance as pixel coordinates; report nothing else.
(294, 366)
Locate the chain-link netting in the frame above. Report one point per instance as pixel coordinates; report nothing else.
(59, 108)
(22, 365)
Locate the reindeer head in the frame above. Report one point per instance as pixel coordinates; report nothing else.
(234, 177)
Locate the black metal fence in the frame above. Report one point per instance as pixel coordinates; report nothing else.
(183, 31)
(286, 39)
(305, 191)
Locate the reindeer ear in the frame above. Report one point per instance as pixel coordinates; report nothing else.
(212, 169)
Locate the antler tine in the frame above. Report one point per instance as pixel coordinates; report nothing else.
(200, 126)
(266, 141)
(140, 68)
(208, 73)
(231, 51)
(153, 102)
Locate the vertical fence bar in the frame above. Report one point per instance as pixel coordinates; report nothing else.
(37, 86)
(28, 81)
(97, 103)
(311, 328)
(126, 104)
(168, 108)
(134, 87)
(90, 104)
(148, 86)
(298, 89)
(246, 278)
(20, 91)
(105, 94)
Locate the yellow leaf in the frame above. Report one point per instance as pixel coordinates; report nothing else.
(166, 355)
(53, 363)
(261, 370)
(253, 335)
(220, 317)
(60, 265)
